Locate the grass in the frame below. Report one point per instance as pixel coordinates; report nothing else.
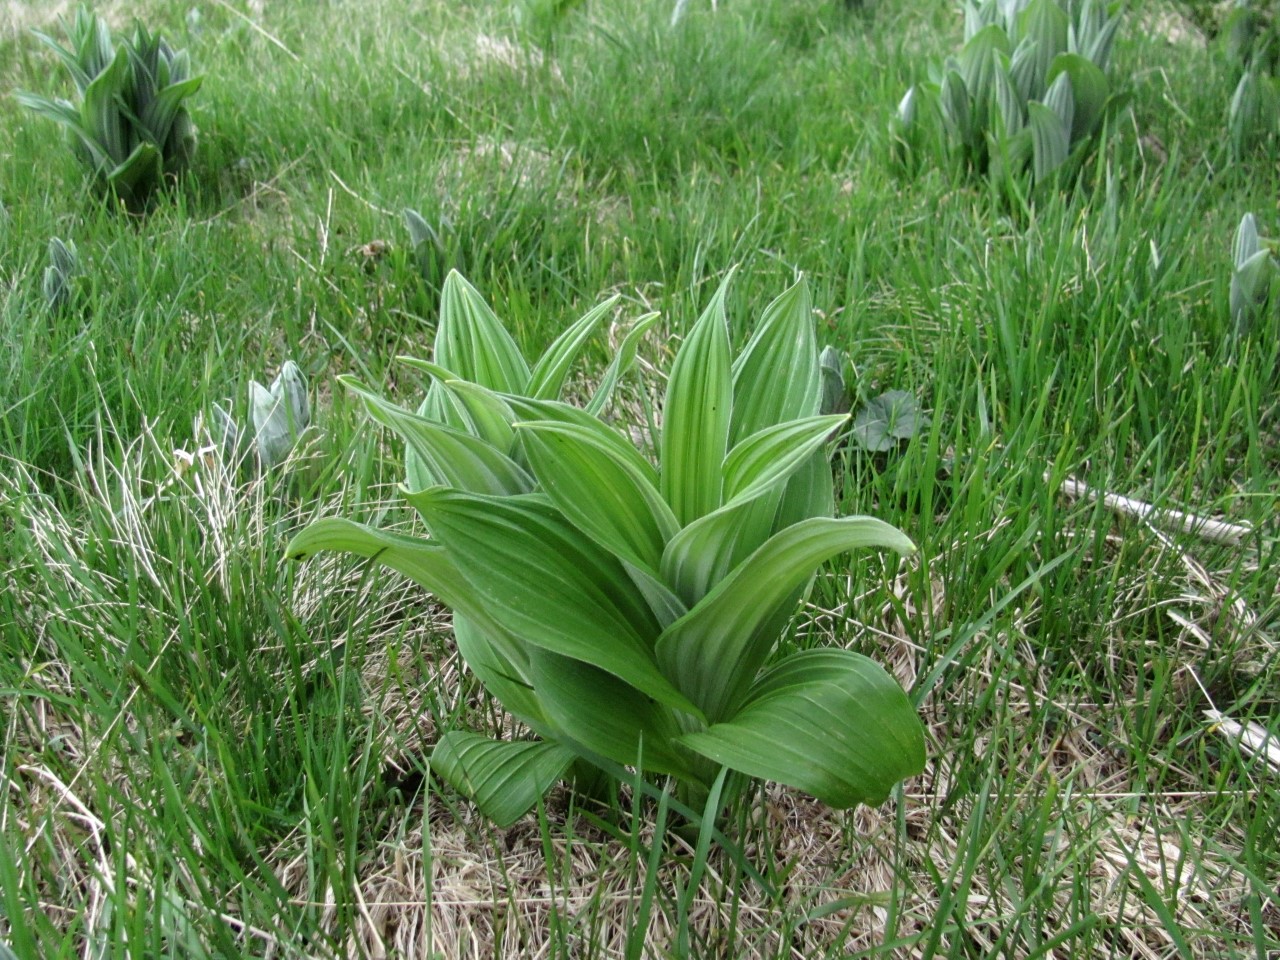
(209, 753)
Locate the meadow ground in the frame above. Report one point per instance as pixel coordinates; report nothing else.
(210, 752)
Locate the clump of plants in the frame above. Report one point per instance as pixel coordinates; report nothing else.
(58, 283)
(627, 603)
(130, 125)
(1251, 33)
(1026, 94)
(1253, 276)
(278, 415)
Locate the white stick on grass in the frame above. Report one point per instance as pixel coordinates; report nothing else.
(1251, 738)
(1218, 531)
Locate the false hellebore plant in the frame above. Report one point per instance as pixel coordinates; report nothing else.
(130, 127)
(629, 612)
(1028, 89)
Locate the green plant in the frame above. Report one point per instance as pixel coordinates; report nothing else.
(64, 264)
(1253, 273)
(628, 612)
(1251, 35)
(279, 414)
(1028, 89)
(131, 126)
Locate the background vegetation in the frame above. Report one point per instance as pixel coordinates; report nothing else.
(208, 752)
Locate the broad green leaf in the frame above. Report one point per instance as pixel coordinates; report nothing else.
(604, 495)
(445, 455)
(835, 395)
(1244, 247)
(81, 76)
(101, 109)
(549, 373)
(504, 778)
(887, 419)
(621, 364)
(420, 231)
(1022, 69)
(1045, 23)
(607, 716)
(703, 553)
(1089, 90)
(473, 342)
(809, 493)
(422, 561)
(696, 415)
(1049, 143)
(158, 117)
(549, 584)
(768, 457)
(667, 607)
(470, 407)
(956, 107)
(501, 662)
(776, 378)
(554, 411)
(1096, 34)
(1251, 288)
(829, 722)
(978, 63)
(715, 650)
(1062, 101)
(490, 417)
(141, 172)
(1008, 104)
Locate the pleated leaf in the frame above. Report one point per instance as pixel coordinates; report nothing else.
(776, 378)
(549, 584)
(829, 722)
(608, 716)
(1049, 143)
(1089, 92)
(501, 662)
(703, 553)
(978, 63)
(422, 561)
(715, 650)
(769, 456)
(553, 411)
(621, 364)
(549, 373)
(1046, 24)
(504, 778)
(1245, 245)
(469, 406)
(472, 341)
(696, 416)
(603, 494)
(1062, 101)
(1008, 105)
(445, 455)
